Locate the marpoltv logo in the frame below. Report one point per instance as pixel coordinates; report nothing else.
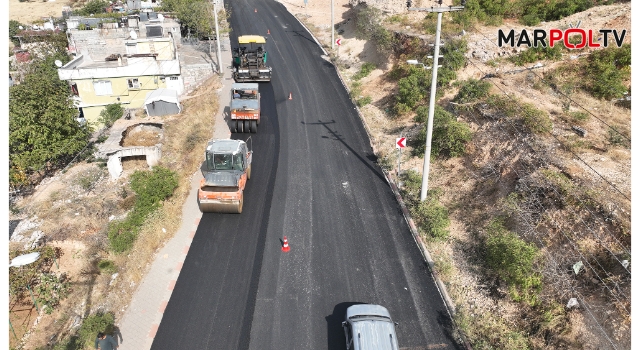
(589, 38)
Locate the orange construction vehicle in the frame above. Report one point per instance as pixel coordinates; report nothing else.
(226, 171)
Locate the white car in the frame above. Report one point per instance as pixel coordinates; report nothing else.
(369, 327)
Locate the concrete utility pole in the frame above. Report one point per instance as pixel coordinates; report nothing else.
(332, 38)
(215, 16)
(432, 96)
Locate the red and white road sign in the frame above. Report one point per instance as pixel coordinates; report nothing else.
(401, 142)
(338, 41)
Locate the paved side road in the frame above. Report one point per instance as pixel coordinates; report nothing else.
(140, 322)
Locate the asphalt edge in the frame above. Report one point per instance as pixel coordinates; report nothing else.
(442, 289)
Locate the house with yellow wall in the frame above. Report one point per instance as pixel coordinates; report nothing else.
(127, 79)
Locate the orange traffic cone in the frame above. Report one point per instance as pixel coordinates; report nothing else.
(255, 10)
(268, 32)
(285, 245)
(290, 96)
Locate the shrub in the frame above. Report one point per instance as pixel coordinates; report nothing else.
(534, 54)
(579, 116)
(151, 188)
(94, 324)
(369, 27)
(365, 70)
(431, 216)
(607, 69)
(536, 120)
(363, 101)
(107, 266)
(110, 114)
(512, 259)
(411, 89)
(472, 90)
(50, 290)
(422, 114)
(449, 136)
(19, 278)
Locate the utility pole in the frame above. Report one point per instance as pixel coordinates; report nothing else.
(432, 96)
(332, 38)
(215, 16)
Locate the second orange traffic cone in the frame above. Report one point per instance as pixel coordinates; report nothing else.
(255, 10)
(290, 96)
(268, 32)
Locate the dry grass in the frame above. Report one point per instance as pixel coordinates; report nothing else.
(30, 11)
(196, 116)
(57, 204)
(141, 138)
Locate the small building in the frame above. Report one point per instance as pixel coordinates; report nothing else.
(126, 80)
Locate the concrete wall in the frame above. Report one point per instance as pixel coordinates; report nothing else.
(194, 74)
(98, 43)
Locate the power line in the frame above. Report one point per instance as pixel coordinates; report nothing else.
(561, 93)
(606, 286)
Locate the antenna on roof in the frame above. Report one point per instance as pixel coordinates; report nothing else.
(58, 63)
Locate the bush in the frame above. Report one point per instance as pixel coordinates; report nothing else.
(534, 54)
(422, 114)
(94, 324)
(107, 266)
(512, 259)
(363, 101)
(365, 70)
(110, 114)
(536, 120)
(472, 90)
(608, 69)
(151, 188)
(51, 289)
(449, 136)
(369, 27)
(431, 216)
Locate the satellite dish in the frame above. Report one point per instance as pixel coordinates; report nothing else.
(25, 259)
(133, 34)
(20, 27)
(58, 63)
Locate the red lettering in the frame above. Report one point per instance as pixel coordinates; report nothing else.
(554, 35)
(583, 41)
(591, 43)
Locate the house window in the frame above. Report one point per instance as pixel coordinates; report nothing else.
(74, 89)
(173, 78)
(102, 87)
(133, 83)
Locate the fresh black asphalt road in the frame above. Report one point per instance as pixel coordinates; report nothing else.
(314, 180)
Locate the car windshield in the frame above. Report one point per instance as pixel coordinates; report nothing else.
(225, 161)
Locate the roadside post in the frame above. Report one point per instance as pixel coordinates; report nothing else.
(401, 143)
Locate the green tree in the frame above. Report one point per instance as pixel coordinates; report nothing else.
(93, 7)
(195, 16)
(42, 125)
(449, 136)
(512, 259)
(110, 114)
(14, 28)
